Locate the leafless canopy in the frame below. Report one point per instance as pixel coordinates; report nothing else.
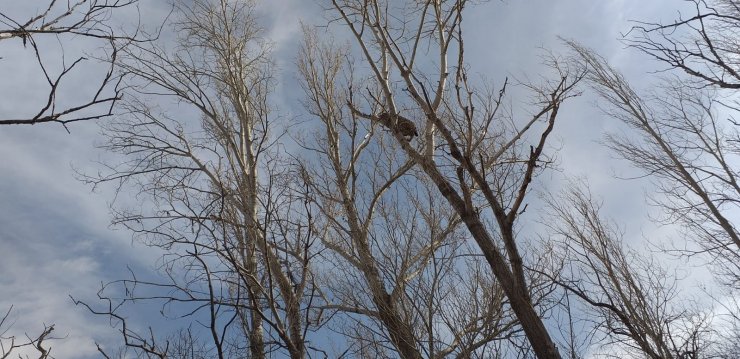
(216, 196)
(691, 152)
(703, 44)
(480, 157)
(632, 300)
(684, 138)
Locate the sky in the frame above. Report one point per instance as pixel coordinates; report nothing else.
(55, 237)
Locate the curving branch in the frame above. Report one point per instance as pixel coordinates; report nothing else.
(91, 19)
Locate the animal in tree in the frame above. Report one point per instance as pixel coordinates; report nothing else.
(402, 125)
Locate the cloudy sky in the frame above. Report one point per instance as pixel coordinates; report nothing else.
(55, 239)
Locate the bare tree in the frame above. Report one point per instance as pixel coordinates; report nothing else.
(689, 149)
(632, 299)
(687, 142)
(410, 284)
(218, 195)
(89, 19)
(695, 132)
(476, 154)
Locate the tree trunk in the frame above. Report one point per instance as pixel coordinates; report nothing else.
(539, 338)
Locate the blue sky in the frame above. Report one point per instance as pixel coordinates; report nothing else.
(55, 239)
